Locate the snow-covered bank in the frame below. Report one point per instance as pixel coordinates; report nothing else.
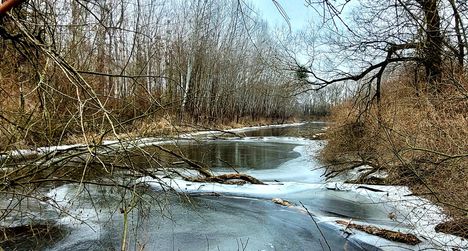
(138, 141)
(418, 215)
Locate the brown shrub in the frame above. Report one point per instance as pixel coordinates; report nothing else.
(420, 139)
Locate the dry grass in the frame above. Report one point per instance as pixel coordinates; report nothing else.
(420, 139)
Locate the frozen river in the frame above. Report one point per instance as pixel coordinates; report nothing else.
(174, 214)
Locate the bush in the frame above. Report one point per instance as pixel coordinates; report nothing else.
(420, 139)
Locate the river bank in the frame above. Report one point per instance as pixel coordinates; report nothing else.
(146, 127)
(419, 140)
(177, 134)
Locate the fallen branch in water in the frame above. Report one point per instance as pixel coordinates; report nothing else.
(191, 163)
(208, 176)
(228, 178)
(384, 233)
(282, 202)
(371, 189)
(208, 129)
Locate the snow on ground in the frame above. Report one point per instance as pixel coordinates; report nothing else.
(418, 213)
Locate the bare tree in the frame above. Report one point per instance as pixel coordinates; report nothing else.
(384, 35)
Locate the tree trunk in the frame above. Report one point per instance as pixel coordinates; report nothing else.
(188, 78)
(459, 29)
(433, 43)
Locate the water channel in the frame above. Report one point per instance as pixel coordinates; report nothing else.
(211, 216)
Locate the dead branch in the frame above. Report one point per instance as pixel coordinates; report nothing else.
(384, 233)
(191, 163)
(228, 178)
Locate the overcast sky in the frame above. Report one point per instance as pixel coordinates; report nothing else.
(296, 10)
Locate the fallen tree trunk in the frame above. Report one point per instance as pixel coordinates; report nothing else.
(384, 233)
(227, 178)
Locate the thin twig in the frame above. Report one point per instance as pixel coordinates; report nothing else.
(316, 224)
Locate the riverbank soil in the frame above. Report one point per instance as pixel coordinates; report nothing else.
(420, 139)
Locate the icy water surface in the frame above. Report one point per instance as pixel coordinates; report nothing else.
(230, 155)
